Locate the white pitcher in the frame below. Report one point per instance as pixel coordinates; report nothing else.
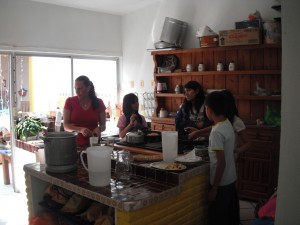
(99, 165)
(169, 145)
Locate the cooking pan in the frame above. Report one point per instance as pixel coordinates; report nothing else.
(60, 151)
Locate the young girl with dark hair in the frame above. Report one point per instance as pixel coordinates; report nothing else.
(224, 202)
(191, 115)
(131, 120)
(85, 112)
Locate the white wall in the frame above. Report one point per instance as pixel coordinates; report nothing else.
(26, 25)
(289, 166)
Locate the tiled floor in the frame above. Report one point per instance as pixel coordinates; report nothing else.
(14, 207)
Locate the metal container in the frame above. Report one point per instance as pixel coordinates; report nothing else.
(134, 138)
(173, 32)
(60, 152)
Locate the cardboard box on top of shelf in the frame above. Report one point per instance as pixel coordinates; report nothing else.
(248, 36)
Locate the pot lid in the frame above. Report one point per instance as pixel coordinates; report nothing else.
(133, 134)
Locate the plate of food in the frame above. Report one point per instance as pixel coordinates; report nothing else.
(175, 166)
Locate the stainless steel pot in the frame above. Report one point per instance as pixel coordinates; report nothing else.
(134, 138)
(60, 151)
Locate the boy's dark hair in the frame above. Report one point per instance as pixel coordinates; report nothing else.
(217, 102)
(92, 94)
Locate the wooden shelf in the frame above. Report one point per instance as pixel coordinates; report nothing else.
(237, 72)
(223, 48)
(256, 65)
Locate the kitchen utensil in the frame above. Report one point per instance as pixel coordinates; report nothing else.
(173, 31)
(169, 145)
(99, 165)
(162, 44)
(123, 165)
(134, 137)
(60, 151)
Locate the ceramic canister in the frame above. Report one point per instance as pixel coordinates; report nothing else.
(189, 68)
(220, 66)
(200, 67)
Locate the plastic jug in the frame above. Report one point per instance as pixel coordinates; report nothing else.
(169, 145)
(99, 165)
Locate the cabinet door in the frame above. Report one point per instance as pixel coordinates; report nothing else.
(257, 168)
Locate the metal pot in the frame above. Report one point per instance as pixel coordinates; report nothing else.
(134, 138)
(60, 151)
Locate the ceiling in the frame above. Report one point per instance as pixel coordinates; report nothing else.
(115, 7)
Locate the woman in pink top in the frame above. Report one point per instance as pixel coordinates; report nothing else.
(131, 120)
(84, 113)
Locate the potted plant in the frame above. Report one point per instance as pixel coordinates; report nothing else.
(28, 127)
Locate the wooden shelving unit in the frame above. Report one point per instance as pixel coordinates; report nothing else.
(257, 167)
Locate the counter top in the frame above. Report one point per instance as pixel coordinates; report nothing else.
(146, 186)
(31, 146)
(137, 150)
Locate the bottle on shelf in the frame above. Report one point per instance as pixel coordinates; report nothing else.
(201, 67)
(231, 66)
(178, 89)
(220, 66)
(58, 118)
(189, 68)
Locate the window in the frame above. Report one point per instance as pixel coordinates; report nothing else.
(51, 82)
(44, 83)
(103, 74)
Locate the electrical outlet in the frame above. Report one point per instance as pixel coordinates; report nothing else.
(132, 84)
(142, 107)
(141, 83)
(152, 83)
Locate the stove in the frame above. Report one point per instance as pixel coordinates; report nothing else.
(183, 145)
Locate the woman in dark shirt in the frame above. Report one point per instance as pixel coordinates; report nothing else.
(191, 115)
